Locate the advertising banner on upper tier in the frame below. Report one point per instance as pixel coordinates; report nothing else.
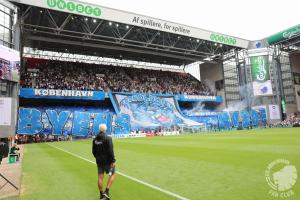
(31, 93)
(118, 16)
(261, 76)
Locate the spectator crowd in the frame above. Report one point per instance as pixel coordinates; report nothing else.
(53, 74)
(291, 121)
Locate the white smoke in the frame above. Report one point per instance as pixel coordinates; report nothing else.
(246, 93)
(248, 99)
(236, 106)
(211, 85)
(198, 107)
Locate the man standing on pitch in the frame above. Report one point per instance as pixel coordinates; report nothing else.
(105, 158)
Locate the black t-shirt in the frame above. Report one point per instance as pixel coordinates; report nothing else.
(103, 150)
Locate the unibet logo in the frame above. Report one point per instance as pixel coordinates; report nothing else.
(223, 39)
(74, 7)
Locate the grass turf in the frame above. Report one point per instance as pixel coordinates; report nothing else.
(226, 166)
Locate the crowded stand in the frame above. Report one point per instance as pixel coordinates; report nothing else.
(52, 74)
(291, 121)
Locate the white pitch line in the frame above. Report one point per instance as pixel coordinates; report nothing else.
(126, 176)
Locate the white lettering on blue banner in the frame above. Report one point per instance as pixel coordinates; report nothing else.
(199, 97)
(63, 93)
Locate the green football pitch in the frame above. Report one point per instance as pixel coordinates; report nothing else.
(212, 166)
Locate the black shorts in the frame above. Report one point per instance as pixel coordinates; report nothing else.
(106, 169)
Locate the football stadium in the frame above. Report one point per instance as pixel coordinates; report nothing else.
(97, 102)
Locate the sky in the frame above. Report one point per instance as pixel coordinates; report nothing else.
(247, 19)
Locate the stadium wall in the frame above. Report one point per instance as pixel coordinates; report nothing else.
(210, 73)
(295, 63)
(9, 69)
(297, 90)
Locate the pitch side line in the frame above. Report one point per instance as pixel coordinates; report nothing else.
(126, 176)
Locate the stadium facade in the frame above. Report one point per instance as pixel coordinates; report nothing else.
(252, 82)
(9, 67)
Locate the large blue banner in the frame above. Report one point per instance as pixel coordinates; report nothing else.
(30, 93)
(149, 111)
(86, 121)
(135, 111)
(235, 119)
(70, 121)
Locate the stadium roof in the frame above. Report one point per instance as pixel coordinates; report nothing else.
(288, 40)
(83, 28)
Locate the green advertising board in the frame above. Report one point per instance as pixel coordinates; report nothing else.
(259, 68)
(287, 34)
(223, 39)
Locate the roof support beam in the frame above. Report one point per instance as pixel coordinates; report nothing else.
(151, 52)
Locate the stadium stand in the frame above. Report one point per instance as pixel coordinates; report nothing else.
(52, 74)
(291, 121)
